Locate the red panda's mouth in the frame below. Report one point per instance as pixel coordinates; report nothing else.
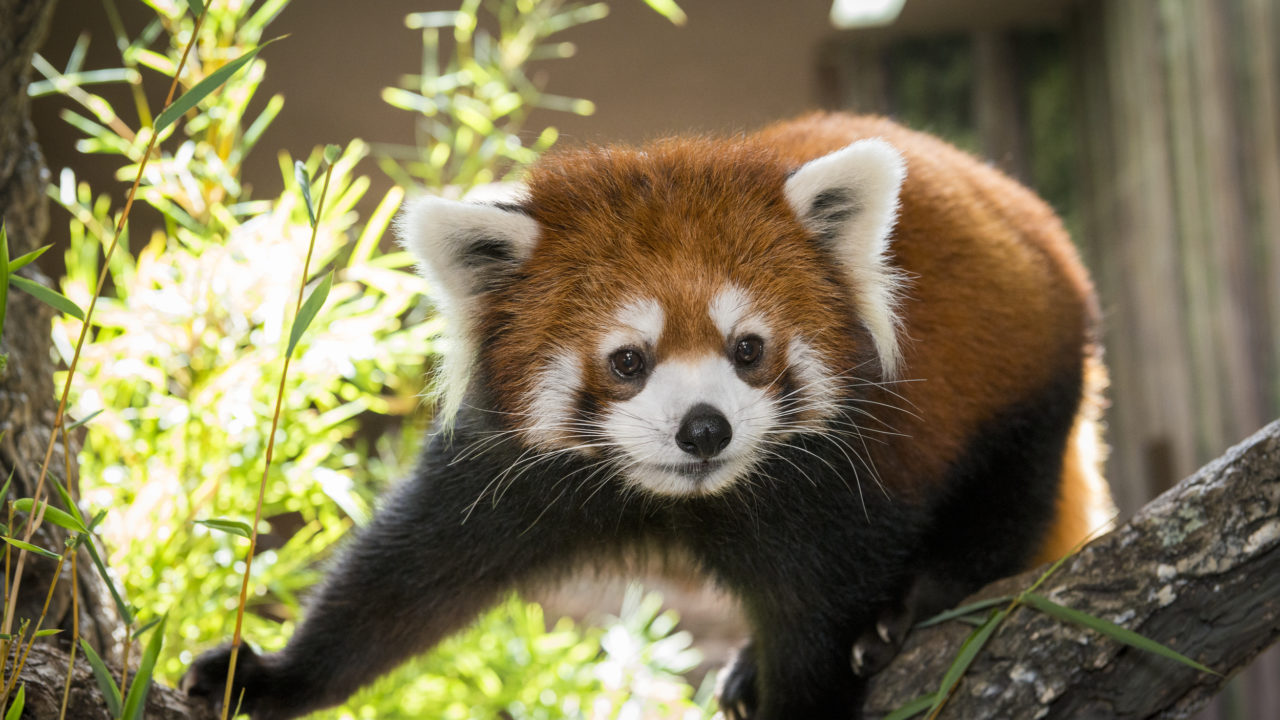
(694, 470)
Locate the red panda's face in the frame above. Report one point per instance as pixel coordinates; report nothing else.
(672, 313)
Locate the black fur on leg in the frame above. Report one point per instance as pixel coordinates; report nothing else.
(737, 691)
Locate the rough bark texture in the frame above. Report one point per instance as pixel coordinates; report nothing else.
(46, 671)
(1197, 569)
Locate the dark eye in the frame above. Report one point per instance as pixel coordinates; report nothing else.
(748, 350)
(627, 362)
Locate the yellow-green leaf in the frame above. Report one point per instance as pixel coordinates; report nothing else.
(1110, 629)
(106, 683)
(32, 548)
(52, 514)
(307, 313)
(669, 10)
(912, 708)
(201, 90)
(136, 698)
(304, 184)
(22, 260)
(968, 651)
(233, 527)
(47, 296)
(19, 700)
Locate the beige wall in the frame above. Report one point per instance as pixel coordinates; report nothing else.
(737, 64)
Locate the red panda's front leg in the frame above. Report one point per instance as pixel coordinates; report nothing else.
(438, 552)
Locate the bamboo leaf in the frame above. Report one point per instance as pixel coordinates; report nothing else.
(84, 419)
(307, 313)
(304, 184)
(48, 631)
(32, 548)
(233, 527)
(123, 607)
(47, 296)
(1110, 629)
(105, 682)
(197, 7)
(53, 515)
(669, 10)
(912, 708)
(965, 610)
(19, 700)
(968, 651)
(139, 632)
(4, 278)
(201, 90)
(136, 698)
(22, 260)
(5, 491)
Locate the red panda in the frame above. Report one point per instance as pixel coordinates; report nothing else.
(846, 369)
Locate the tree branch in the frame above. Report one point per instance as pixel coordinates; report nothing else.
(1197, 569)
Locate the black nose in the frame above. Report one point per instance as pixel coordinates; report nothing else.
(704, 432)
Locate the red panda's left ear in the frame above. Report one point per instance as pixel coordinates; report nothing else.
(849, 200)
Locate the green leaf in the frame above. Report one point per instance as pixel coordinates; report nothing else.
(304, 184)
(669, 10)
(32, 548)
(1110, 629)
(965, 610)
(23, 260)
(968, 651)
(138, 633)
(197, 7)
(234, 527)
(213, 81)
(4, 492)
(48, 631)
(332, 153)
(123, 607)
(84, 419)
(307, 313)
(912, 708)
(4, 281)
(106, 683)
(19, 700)
(53, 515)
(136, 698)
(47, 296)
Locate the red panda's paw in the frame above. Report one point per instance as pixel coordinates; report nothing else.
(738, 686)
(878, 646)
(207, 679)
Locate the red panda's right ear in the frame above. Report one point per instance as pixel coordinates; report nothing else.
(466, 248)
(463, 250)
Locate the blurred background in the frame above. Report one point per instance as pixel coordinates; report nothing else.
(1152, 126)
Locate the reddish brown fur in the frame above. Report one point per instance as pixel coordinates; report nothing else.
(997, 301)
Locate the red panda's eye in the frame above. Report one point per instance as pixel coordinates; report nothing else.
(748, 350)
(627, 362)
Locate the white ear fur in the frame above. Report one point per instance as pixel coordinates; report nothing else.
(849, 199)
(463, 250)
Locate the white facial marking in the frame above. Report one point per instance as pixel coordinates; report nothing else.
(816, 386)
(731, 312)
(644, 427)
(637, 323)
(551, 402)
